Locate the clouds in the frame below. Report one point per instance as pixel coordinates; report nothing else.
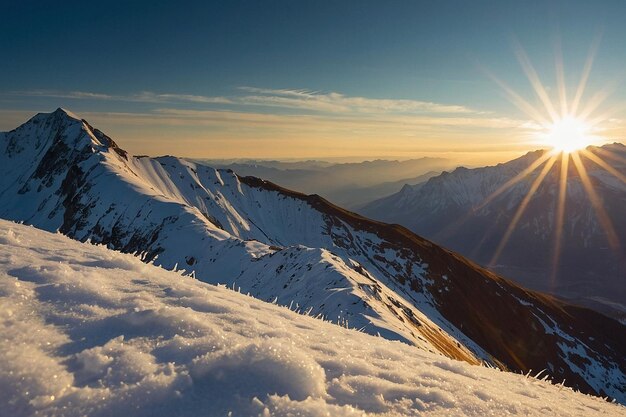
(331, 102)
(281, 109)
(281, 123)
(336, 102)
(142, 97)
(284, 108)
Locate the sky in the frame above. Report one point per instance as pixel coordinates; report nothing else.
(314, 79)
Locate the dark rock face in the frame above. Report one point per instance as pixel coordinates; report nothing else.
(106, 141)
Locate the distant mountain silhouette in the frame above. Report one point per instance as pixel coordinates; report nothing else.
(452, 209)
(349, 185)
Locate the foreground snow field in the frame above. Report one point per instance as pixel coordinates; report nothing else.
(88, 331)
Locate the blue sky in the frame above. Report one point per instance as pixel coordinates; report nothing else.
(304, 79)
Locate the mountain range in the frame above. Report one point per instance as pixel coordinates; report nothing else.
(59, 173)
(477, 213)
(348, 184)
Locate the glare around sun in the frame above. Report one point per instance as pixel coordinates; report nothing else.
(568, 134)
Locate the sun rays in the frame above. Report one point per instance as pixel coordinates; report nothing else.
(522, 207)
(567, 127)
(560, 215)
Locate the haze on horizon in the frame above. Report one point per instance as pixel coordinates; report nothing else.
(321, 80)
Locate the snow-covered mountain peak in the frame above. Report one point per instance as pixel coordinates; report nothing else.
(59, 131)
(284, 246)
(61, 112)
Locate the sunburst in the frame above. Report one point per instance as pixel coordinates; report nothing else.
(568, 134)
(567, 127)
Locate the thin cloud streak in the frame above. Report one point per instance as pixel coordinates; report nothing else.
(333, 101)
(279, 98)
(383, 121)
(385, 125)
(142, 97)
(281, 133)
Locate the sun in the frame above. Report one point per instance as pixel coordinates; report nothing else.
(568, 125)
(568, 134)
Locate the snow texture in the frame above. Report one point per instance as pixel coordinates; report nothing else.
(88, 331)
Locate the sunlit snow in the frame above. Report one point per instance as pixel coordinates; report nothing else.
(88, 331)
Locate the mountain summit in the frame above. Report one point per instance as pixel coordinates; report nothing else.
(59, 173)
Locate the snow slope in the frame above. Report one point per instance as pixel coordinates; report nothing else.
(88, 331)
(59, 173)
(76, 180)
